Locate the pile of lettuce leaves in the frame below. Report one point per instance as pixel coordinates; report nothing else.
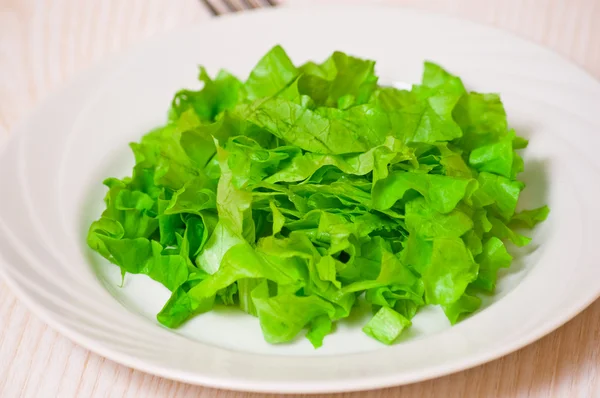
(304, 189)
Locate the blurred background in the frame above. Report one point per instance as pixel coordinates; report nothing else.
(43, 42)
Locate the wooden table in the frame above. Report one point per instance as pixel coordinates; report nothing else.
(43, 43)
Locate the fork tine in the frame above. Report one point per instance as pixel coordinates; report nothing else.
(211, 8)
(249, 4)
(234, 6)
(231, 6)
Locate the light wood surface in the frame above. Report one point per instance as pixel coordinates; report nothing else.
(44, 42)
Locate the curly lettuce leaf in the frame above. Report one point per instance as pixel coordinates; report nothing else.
(303, 190)
(386, 325)
(340, 81)
(272, 74)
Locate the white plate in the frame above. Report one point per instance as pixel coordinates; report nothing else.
(50, 175)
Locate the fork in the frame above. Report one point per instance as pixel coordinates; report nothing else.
(219, 7)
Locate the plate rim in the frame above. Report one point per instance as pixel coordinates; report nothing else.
(283, 387)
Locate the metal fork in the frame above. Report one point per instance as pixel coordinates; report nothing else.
(220, 7)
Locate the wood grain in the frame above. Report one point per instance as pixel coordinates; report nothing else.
(44, 42)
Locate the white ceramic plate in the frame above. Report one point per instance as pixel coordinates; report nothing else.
(50, 175)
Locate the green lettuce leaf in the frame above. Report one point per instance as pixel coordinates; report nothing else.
(530, 218)
(386, 325)
(283, 316)
(442, 193)
(461, 307)
(303, 190)
(341, 81)
(492, 257)
(216, 96)
(272, 74)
